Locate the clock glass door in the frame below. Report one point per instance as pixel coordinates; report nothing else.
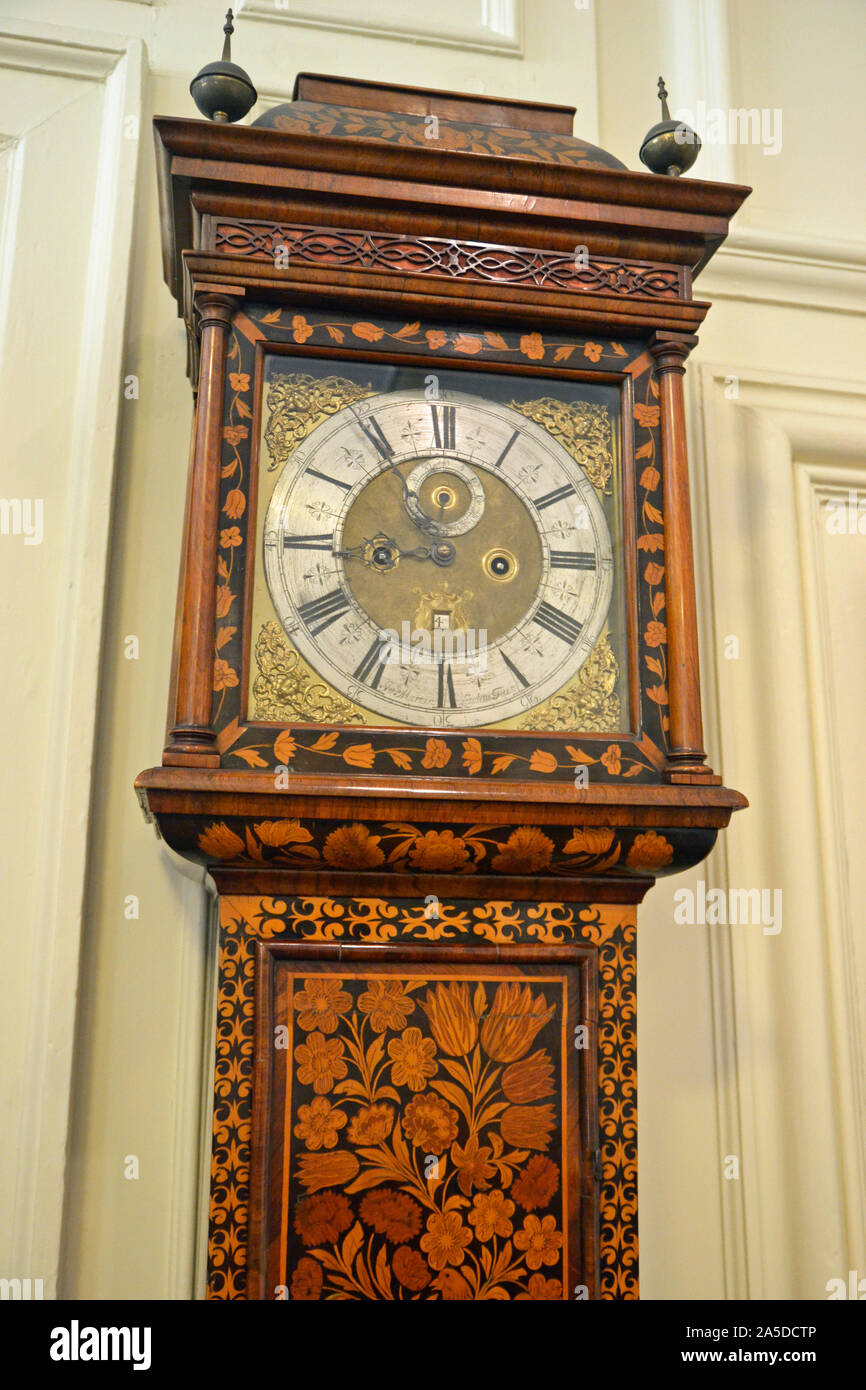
(437, 549)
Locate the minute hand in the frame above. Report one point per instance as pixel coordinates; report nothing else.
(417, 515)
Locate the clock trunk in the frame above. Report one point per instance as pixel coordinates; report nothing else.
(434, 723)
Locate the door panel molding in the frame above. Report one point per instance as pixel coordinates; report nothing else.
(789, 1033)
(38, 1144)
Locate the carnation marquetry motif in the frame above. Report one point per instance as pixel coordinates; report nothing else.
(425, 1127)
(437, 344)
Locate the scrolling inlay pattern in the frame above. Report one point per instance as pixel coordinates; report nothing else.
(451, 259)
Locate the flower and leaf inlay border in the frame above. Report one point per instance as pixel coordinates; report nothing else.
(510, 755)
(570, 851)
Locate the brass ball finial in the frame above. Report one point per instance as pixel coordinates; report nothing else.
(669, 147)
(222, 91)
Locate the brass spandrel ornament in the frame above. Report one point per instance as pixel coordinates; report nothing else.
(286, 688)
(589, 702)
(297, 404)
(583, 428)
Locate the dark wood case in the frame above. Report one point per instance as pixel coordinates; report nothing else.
(437, 926)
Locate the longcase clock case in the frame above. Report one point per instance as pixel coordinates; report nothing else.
(425, 1080)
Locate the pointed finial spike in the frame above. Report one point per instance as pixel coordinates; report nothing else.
(228, 30)
(663, 98)
(223, 91)
(669, 147)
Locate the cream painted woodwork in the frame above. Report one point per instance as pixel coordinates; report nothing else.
(494, 26)
(68, 189)
(784, 714)
(750, 1045)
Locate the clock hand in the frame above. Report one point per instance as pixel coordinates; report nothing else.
(442, 553)
(356, 552)
(422, 523)
(382, 553)
(419, 518)
(421, 552)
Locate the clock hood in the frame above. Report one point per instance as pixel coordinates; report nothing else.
(459, 122)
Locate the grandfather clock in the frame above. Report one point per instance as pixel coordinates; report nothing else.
(434, 721)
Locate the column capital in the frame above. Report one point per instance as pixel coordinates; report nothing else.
(670, 350)
(216, 305)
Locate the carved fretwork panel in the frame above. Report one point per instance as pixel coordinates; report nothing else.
(285, 244)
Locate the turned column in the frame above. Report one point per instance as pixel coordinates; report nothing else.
(191, 740)
(686, 757)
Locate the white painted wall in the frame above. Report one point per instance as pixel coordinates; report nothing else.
(750, 1045)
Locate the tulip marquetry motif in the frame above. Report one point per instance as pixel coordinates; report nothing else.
(434, 724)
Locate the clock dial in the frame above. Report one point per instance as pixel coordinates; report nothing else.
(440, 563)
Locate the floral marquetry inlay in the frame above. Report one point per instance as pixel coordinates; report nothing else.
(425, 1127)
(428, 1111)
(434, 724)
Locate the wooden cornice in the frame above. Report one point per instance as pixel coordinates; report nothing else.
(203, 166)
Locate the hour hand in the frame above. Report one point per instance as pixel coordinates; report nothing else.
(355, 552)
(382, 553)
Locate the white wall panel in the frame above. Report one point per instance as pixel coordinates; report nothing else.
(66, 232)
(798, 1084)
(492, 25)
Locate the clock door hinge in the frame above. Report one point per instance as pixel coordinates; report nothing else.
(597, 1169)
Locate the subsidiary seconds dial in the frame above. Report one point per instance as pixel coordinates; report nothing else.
(439, 562)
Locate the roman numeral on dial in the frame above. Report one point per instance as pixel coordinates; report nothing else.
(572, 560)
(370, 667)
(444, 426)
(557, 622)
(323, 542)
(518, 675)
(446, 686)
(319, 613)
(326, 478)
(373, 431)
(550, 499)
(499, 462)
